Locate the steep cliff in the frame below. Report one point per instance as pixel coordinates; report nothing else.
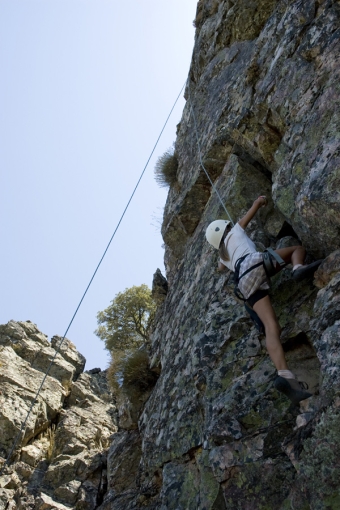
(214, 433)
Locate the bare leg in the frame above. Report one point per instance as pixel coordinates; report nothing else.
(285, 382)
(292, 255)
(265, 311)
(296, 256)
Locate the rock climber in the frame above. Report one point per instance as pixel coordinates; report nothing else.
(238, 253)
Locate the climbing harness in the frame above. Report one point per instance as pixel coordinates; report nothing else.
(267, 262)
(200, 155)
(23, 425)
(237, 276)
(253, 315)
(268, 257)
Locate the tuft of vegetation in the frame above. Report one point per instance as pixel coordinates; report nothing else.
(51, 442)
(126, 323)
(166, 168)
(130, 370)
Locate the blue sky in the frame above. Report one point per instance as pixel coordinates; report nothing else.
(86, 87)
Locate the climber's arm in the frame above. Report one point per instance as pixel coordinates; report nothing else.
(221, 267)
(258, 203)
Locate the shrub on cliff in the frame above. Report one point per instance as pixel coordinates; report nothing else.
(130, 371)
(166, 168)
(126, 323)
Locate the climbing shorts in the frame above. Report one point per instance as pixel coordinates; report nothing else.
(258, 294)
(255, 279)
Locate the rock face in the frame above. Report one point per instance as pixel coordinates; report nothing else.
(214, 433)
(60, 459)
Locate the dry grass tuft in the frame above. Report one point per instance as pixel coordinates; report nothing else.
(51, 439)
(130, 370)
(166, 168)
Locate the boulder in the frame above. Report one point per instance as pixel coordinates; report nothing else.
(62, 452)
(32, 345)
(69, 352)
(19, 386)
(44, 502)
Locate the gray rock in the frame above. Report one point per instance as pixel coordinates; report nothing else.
(69, 352)
(32, 345)
(94, 371)
(71, 433)
(263, 87)
(159, 287)
(213, 432)
(44, 502)
(19, 385)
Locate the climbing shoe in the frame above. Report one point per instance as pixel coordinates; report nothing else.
(305, 271)
(293, 389)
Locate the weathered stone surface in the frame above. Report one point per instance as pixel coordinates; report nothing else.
(69, 492)
(263, 84)
(44, 502)
(10, 481)
(123, 475)
(326, 334)
(328, 269)
(84, 428)
(32, 345)
(83, 432)
(159, 287)
(19, 384)
(31, 455)
(19, 331)
(214, 433)
(68, 351)
(71, 433)
(250, 100)
(6, 498)
(92, 387)
(128, 413)
(126, 446)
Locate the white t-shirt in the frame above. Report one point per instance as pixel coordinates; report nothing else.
(238, 244)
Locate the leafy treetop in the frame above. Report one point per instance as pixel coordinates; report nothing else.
(126, 323)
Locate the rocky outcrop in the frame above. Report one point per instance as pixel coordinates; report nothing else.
(271, 102)
(60, 459)
(159, 287)
(214, 432)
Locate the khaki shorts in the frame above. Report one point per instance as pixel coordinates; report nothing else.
(255, 279)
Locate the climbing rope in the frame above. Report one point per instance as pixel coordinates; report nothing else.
(200, 154)
(16, 440)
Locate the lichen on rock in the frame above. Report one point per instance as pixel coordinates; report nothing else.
(60, 460)
(264, 100)
(213, 433)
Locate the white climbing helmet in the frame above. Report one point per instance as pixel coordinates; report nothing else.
(215, 232)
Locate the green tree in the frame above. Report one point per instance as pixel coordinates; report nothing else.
(126, 323)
